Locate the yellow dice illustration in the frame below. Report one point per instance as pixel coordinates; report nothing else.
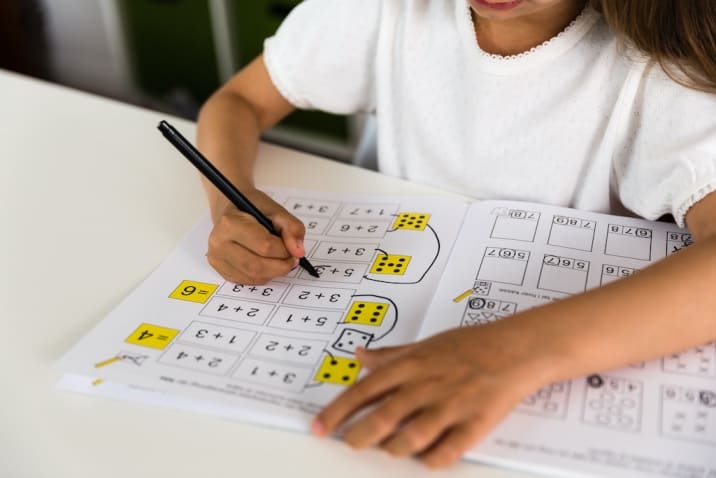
(392, 264)
(152, 336)
(366, 313)
(193, 291)
(411, 221)
(338, 370)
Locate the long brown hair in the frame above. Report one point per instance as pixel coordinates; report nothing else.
(680, 35)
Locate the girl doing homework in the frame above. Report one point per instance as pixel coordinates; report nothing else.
(607, 105)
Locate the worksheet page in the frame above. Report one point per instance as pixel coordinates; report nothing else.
(654, 419)
(276, 353)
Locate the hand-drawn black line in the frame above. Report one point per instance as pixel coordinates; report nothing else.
(395, 318)
(432, 263)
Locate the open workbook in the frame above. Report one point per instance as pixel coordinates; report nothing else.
(395, 269)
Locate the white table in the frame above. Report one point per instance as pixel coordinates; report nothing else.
(92, 199)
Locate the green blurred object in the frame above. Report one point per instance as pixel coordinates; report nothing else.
(254, 21)
(173, 57)
(171, 47)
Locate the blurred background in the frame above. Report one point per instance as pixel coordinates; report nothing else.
(166, 55)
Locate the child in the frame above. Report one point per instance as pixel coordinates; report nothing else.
(600, 106)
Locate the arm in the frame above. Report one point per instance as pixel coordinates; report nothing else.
(322, 57)
(437, 398)
(229, 128)
(645, 316)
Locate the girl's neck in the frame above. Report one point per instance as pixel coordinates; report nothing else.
(518, 35)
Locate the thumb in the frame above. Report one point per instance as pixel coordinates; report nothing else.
(292, 232)
(375, 358)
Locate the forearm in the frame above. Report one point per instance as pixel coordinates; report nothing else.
(228, 135)
(665, 308)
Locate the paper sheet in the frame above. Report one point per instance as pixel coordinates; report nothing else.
(281, 350)
(276, 354)
(648, 419)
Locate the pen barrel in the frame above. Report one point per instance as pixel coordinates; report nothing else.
(214, 175)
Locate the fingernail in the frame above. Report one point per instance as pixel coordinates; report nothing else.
(299, 244)
(317, 428)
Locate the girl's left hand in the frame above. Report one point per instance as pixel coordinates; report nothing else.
(437, 398)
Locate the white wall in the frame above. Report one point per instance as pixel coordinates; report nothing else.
(87, 49)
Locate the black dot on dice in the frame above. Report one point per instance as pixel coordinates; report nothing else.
(326, 375)
(381, 264)
(361, 305)
(355, 317)
(378, 307)
(402, 259)
(385, 258)
(422, 217)
(390, 264)
(345, 378)
(376, 313)
(396, 270)
(351, 365)
(334, 362)
(373, 319)
(378, 269)
(416, 226)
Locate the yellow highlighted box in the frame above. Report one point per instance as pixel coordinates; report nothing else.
(152, 336)
(390, 264)
(366, 313)
(338, 370)
(193, 291)
(411, 221)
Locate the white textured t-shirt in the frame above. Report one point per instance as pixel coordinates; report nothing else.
(572, 122)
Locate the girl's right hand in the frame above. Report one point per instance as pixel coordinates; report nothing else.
(243, 251)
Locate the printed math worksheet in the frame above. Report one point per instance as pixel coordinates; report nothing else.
(288, 347)
(394, 269)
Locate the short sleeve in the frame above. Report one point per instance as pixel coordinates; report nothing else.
(671, 162)
(323, 55)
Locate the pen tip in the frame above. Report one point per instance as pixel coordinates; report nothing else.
(308, 267)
